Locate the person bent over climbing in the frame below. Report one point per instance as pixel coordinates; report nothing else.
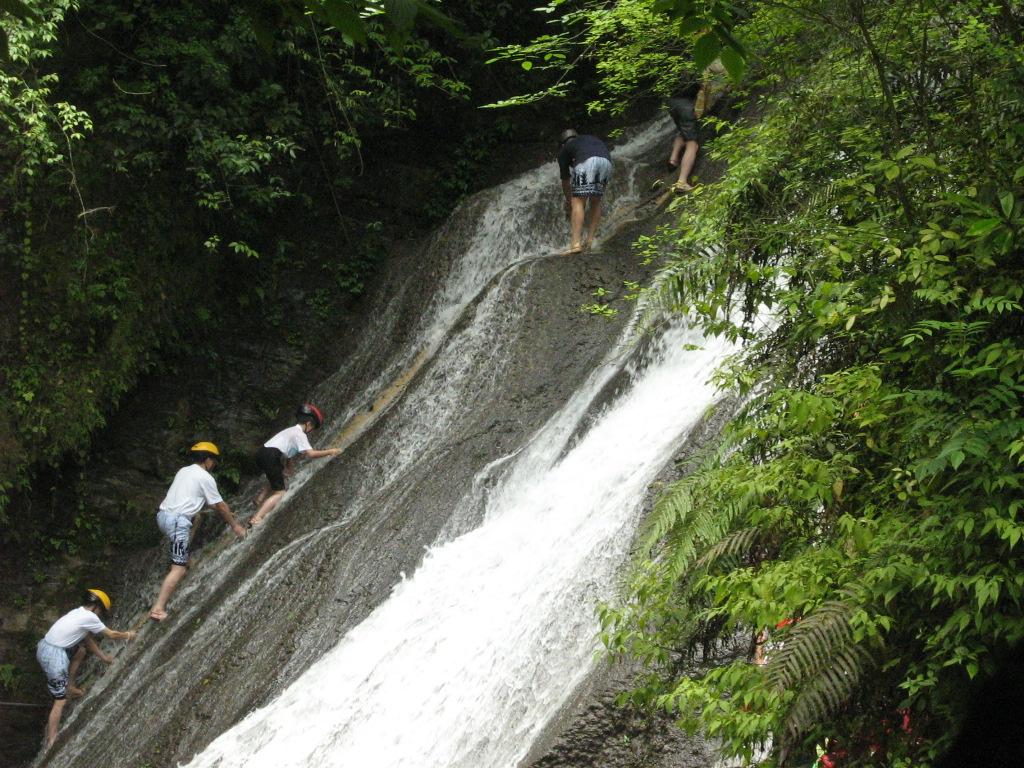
(685, 145)
(276, 456)
(192, 490)
(61, 652)
(689, 102)
(585, 166)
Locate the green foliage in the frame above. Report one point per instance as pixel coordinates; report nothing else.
(166, 168)
(637, 47)
(863, 513)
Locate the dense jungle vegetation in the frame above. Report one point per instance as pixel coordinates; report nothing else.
(862, 519)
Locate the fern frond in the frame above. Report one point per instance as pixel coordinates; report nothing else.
(733, 545)
(822, 695)
(672, 508)
(811, 644)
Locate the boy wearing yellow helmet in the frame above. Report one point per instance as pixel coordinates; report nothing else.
(62, 651)
(193, 490)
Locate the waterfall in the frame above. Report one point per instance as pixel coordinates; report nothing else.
(427, 599)
(470, 658)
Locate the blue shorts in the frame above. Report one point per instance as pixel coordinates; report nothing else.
(55, 662)
(178, 529)
(588, 179)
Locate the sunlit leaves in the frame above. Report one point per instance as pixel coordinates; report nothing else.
(869, 491)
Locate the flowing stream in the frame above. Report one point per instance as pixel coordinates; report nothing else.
(428, 598)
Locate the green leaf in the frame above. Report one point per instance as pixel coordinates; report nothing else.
(344, 17)
(981, 227)
(690, 25)
(1006, 203)
(527, 65)
(401, 14)
(706, 49)
(734, 63)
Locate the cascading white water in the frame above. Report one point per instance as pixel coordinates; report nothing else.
(471, 657)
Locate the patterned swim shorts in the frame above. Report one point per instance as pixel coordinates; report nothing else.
(55, 662)
(590, 177)
(178, 529)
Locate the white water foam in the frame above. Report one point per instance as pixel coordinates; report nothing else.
(468, 660)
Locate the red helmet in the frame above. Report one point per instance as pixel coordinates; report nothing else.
(310, 411)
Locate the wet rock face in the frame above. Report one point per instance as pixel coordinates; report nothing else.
(598, 733)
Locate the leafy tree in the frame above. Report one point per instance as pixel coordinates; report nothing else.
(860, 523)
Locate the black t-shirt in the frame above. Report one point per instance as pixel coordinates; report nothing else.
(578, 149)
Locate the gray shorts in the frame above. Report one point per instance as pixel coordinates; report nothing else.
(55, 662)
(588, 179)
(178, 529)
(685, 118)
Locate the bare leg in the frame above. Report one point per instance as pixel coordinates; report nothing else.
(686, 166)
(677, 149)
(75, 692)
(262, 495)
(759, 642)
(579, 205)
(171, 582)
(53, 721)
(595, 219)
(268, 506)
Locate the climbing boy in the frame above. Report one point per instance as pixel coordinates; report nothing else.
(61, 652)
(689, 102)
(276, 456)
(192, 490)
(585, 167)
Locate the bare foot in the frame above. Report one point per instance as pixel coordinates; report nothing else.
(157, 615)
(74, 692)
(572, 250)
(254, 522)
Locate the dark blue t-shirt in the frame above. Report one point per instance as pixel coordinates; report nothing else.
(578, 149)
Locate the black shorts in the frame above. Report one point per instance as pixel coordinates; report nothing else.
(682, 111)
(271, 461)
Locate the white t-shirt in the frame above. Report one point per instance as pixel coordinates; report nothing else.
(70, 628)
(193, 488)
(290, 441)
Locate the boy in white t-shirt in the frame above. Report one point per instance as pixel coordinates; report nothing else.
(193, 490)
(61, 652)
(276, 455)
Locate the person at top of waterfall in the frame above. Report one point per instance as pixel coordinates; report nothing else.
(192, 490)
(690, 101)
(61, 652)
(277, 455)
(585, 166)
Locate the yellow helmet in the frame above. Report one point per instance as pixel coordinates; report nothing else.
(100, 595)
(206, 446)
